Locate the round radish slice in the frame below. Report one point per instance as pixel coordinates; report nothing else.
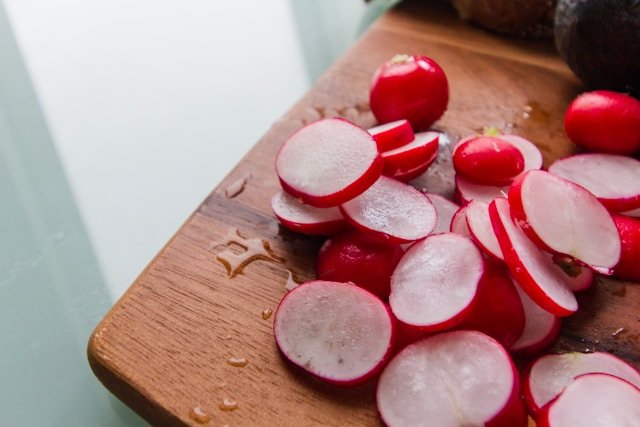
(529, 265)
(466, 191)
(460, 378)
(392, 135)
(594, 400)
(541, 328)
(392, 210)
(488, 160)
(634, 213)
(479, 225)
(328, 162)
(412, 174)
(436, 282)
(337, 332)
(459, 223)
(629, 266)
(412, 155)
(445, 210)
(302, 218)
(531, 153)
(544, 379)
(614, 180)
(577, 278)
(565, 219)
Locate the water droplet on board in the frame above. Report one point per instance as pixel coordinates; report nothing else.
(266, 313)
(236, 187)
(291, 283)
(238, 362)
(618, 332)
(228, 405)
(199, 416)
(250, 250)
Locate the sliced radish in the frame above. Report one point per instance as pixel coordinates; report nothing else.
(613, 179)
(392, 135)
(306, 219)
(328, 162)
(529, 265)
(594, 400)
(479, 225)
(488, 160)
(634, 213)
(466, 191)
(412, 174)
(337, 332)
(445, 210)
(541, 328)
(436, 282)
(410, 156)
(544, 379)
(392, 210)
(565, 219)
(460, 378)
(531, 153)
(578, 278)
(629, 266)
(459, 223)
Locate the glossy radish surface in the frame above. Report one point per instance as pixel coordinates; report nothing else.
(531, 268)
(410, 175)
(488, 160)
(545, 378)
(466, 191)
(565, 219)
(436, 282)
(355, 257)
(629, 266)
(445, 209)
(613, 179)
(328, 162)
(594, 400)
(337, 332)
(531, 154)
(411, 156)
(306, 219)
(459, 223)
(460, 378)
(392, 210)
(577, 278)
(479, 225)
(392, 135)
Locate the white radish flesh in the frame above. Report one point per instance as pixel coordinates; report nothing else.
(466, 191)
(303, 218)
(531, 153)
(392, 135)
(479, 224)
(459, 223)
(445, 209)
(577, 278)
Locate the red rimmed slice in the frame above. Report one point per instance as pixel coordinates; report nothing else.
(488, 160)
(578, 278)
(335, 331)
(628, 267)
(392, 135)
(459, 222)
(445, 210)
(634, 213)
(436, 282)
(392, 210)
(613, 179)
(411, 156)
(479, 225)
(414, 173)
(460, 378)
(545, 378)
(531, 268)
(328, 162)
(531, 153)
(466, 191)
(565, 219)
(594, 400)
(297, 216)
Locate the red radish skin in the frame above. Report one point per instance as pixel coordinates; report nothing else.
(411, 156)
(361, 259)
(451, 379)
(488, 161)
(411, 87)
(435, 284)
(565, 219)
(529, 265)
(459, 223)
(328, 162)
(531, 154)
(391, 210)
(466, 191)
(604, 121)
(629, 266)
(392, 135)
(415, 173)
(445, 210)
(613, 179)
(337, 332)
(481, 230)
(545, 378)
(306, 219)
(594, 400)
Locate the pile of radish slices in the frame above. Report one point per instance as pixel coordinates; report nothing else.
(436, 298)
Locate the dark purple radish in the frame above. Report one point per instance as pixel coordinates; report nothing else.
(459, 222)
(337, 332)
(594, 400)
(531, 267)
(297, 216)
(328, 162)
(578, 278)
(544, 379)
(613, 179)
(488, 160)
(479, 225)
(445, 209)
(435, 284)
(531, 153)
(460, 378)
(392, 210)
(565, 219)
(411, 156)
(466, 191)
(392, 135)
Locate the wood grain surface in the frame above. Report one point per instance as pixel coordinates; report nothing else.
(164, 348)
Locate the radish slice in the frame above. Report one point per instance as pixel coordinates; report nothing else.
(529, 265)
(629, 266)
(436, 282)
(565, 219)
(531, 153)
(577, 278)
(459, 223)
(466, 191)
(337, 332)
(481, 230)
(411, 156)
(541, 328)
(328, 162)
(445, 210)
(306, 219)
(392, 135)
(488, 160)
(392, 210)
(594, 400)
(544, 379)
(412, 174)
(614, 180)
(634, 213)
(460, 378)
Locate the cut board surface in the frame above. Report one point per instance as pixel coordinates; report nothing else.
(164, 348)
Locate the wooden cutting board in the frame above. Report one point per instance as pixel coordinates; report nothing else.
(170, 344)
